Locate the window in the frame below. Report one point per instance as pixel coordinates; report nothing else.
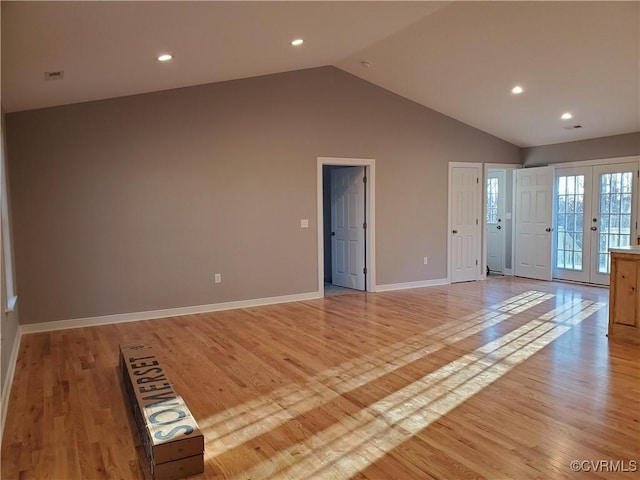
(5, 233)
(616, 200)
(570, 220)
(492, 201)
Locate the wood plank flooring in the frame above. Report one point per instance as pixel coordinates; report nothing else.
(502, 379)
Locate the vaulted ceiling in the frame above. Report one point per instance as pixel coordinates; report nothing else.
(459, 58)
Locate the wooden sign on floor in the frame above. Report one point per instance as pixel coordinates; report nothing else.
(171, 445)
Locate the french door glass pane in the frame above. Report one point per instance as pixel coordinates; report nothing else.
(492, 201)
(616, 195)
(570, 221)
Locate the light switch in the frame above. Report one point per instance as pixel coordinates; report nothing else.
(304, 223)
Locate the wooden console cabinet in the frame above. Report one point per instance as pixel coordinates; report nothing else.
(624, 294)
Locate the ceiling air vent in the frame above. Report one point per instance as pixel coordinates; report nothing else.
(572, 127)
(57, 75)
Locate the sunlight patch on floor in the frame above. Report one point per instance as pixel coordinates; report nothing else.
(238, 425)
(355, 442)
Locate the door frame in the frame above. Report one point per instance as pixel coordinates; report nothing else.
(479, 240)
(370, 234)
(485, 171)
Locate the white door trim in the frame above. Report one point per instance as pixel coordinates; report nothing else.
(370, 193)
(453, 165)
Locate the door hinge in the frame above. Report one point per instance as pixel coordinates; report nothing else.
(476, 221)
(477, 179)
(476, 262)
(364, 225)
(364, 179)
(364, 270)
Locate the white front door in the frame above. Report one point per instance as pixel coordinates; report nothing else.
(348, 227)
(465, 217)
(594, 211)
(533, 223)
(495, 220)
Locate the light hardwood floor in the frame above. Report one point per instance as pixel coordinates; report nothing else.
(503, 379)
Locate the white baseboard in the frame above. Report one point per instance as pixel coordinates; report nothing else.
(403, 286)
(8, 381)
(129, 317)
(170, 312)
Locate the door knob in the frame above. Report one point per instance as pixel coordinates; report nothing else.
(548, 229)
(594, 228)
(333, 234)
(499, 227)
(454, 231)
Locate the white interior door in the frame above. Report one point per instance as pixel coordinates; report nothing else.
(465, 230)
(495, 188)
(533, 223)
(348, 227)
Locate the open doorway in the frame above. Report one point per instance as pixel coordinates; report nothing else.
(498, 219)
(346, 202)
(344, 223)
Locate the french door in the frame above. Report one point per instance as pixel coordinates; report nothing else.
(594, 210)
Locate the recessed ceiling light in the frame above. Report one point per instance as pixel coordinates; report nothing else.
(566, 116)
(517, 90)
(297, 42)
(165, 57)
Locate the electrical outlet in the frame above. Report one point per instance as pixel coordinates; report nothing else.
(426, 260)
(218, 278)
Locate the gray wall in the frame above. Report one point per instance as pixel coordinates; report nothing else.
(132, 204)
(592, 149)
